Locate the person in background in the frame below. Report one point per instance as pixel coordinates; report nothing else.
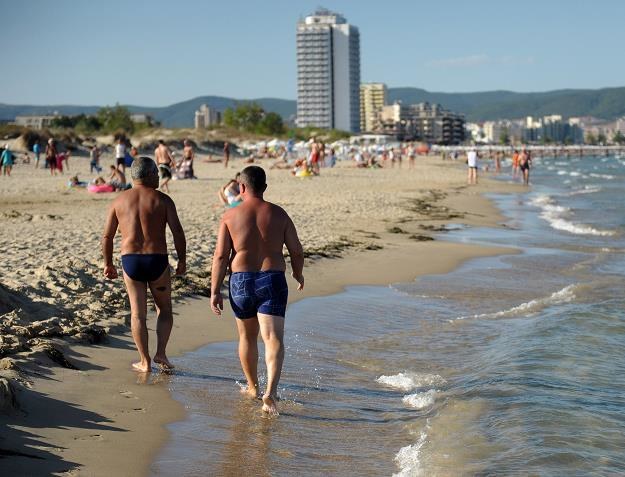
(37, 152)
(230, 194)
(472, 164)
(94, 163)
(117, 179)
(51, 153)
(186, 165)
(120, 155)
(165, 163)
(6, 159)
(226, 153)
(332, 158)
(63, 156)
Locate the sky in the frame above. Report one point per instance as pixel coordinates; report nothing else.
(157, 52)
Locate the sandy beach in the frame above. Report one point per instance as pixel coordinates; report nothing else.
(65, 339)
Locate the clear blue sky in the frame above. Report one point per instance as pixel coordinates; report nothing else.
(154, 53)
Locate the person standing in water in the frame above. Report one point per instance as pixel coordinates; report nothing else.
(525, 161)
(142, 214)
(250, 240)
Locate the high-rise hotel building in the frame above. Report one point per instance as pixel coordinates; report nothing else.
(328, 72)
(372, 100)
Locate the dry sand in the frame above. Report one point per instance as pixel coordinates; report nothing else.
(54, 301)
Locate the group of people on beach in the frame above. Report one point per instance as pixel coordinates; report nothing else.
(521, 163)
(249, 246)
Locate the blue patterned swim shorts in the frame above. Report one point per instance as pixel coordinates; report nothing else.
(258, 292)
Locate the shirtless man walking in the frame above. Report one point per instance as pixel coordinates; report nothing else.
(165, 164)
(253, 235)
(141, 215)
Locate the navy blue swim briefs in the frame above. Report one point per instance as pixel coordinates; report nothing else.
(258, 292)
(146, 267)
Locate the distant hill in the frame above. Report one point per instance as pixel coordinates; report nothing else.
(175, 116)
(606, 103)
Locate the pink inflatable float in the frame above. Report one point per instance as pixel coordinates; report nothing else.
(98, 189)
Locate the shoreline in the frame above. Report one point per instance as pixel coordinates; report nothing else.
(110, 399)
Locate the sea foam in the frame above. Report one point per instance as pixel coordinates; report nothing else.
(408, 458)
(420, 400)
(565, 295)
(556, 216)
(409, 381)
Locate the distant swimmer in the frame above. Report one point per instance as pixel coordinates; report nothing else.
(142, 214)
(250, 240)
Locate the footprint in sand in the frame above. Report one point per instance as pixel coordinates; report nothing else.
(128, 394)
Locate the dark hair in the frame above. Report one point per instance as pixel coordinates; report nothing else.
(160, 141)
(254, 177)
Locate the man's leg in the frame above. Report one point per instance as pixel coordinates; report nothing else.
(248, 353)
(272, 331)
(161, 291)
(137, 295)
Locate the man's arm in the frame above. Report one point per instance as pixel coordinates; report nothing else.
(296, 252)
(110, 229)
(221, 258)
(180, 242)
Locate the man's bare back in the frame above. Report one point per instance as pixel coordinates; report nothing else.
(142, 216)
(162, 154)
(257, 230)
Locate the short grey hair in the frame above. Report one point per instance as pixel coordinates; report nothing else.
(142, 168)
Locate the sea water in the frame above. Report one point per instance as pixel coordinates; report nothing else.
(511, 365)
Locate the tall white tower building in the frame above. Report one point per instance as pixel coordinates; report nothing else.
(328, 72)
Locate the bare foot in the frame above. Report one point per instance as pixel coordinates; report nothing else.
(251, 392)
(163, 362)
(269, 405)
(141, 367)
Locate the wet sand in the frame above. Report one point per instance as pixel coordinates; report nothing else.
(85, 421)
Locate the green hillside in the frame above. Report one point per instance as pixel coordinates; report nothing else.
(606, 103)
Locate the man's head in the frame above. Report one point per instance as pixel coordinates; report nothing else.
(254, 180)
(113, 168)
(161, 142)
(144, 171)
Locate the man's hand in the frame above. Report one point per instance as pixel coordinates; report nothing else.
(181, 269)
(110, 272)
(217, 303)
(300, 281)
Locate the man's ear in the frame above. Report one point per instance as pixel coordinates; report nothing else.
(242, 188)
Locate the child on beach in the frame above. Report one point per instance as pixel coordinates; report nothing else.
(94, 163)
(7, 161)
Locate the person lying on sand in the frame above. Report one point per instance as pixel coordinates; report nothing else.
(254, 233)
(117, 179)
(142, 214)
